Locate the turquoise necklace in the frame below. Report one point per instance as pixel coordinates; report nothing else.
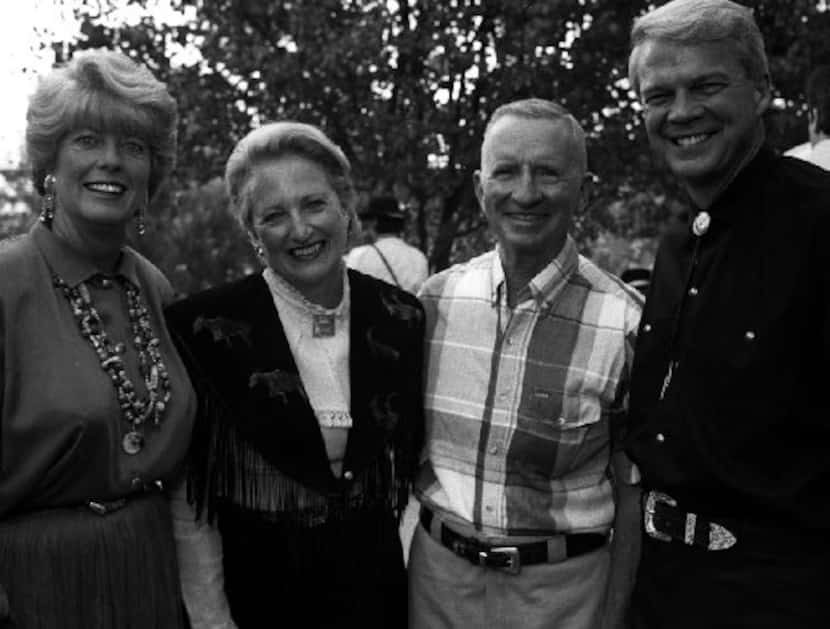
(137, 411)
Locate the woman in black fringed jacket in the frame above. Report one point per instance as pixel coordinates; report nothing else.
(310, 416)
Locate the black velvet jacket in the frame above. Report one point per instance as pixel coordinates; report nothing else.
(257, 442)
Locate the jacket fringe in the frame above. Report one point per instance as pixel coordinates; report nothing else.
(226, 467)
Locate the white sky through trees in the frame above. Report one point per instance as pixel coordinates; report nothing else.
(25, 24)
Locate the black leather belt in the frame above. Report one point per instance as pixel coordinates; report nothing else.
(511, 558)
(665, 521)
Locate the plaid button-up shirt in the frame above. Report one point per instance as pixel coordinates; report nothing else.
(525, 405)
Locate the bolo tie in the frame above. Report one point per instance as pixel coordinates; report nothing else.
(699, 227)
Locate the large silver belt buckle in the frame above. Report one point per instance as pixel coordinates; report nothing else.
(514, 562)
(718, 538)
(652, 498)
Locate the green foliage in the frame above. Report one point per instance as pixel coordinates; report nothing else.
(193, 237)
(405, 88)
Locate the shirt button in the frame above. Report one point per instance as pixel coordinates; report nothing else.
(750, 335)
(494, 449)
(106, 282)
(647, 327)
(660, 437)
(348, 475)
(693, 292)
(489, 508)
(136, 483)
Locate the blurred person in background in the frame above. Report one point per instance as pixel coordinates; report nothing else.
(310, 420)
(96, 407)
(389, 258)
(817, 149)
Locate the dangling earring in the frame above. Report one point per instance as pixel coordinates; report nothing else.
(258, 250)
(47, 206)
(140, 225)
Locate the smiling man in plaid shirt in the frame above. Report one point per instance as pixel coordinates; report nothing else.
(529, 352)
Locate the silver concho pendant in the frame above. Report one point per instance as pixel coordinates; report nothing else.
(132, 442)
(701, 223)
(322, 325)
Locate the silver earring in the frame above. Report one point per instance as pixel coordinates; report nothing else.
(258, 250)
(140, 225)
(47, 206)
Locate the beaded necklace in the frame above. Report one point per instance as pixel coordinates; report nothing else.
(136, 411)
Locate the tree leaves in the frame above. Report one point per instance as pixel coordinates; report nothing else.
(405, 88)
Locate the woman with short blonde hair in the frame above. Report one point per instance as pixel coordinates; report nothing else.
(96, 407)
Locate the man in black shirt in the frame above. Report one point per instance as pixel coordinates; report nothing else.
(730, 400)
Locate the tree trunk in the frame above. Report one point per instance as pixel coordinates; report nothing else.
(448, 227)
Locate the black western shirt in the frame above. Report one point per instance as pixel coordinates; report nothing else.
(730, 394)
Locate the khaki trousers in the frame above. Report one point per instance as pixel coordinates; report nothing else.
(448, 592)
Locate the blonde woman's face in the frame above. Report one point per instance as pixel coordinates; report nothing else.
(101, 178)
(298, 220)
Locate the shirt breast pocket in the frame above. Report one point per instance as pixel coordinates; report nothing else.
(575, 434)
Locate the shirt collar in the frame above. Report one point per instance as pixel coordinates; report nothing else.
(74, 267)
(546, 284)
(284, 293)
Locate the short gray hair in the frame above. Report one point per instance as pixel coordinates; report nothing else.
(279, 139)
(541, 109)
(101, 89)
(695, 22)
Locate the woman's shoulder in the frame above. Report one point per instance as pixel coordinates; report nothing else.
(367, 284)
(385, 300)
(231, 299)
(150, 275)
